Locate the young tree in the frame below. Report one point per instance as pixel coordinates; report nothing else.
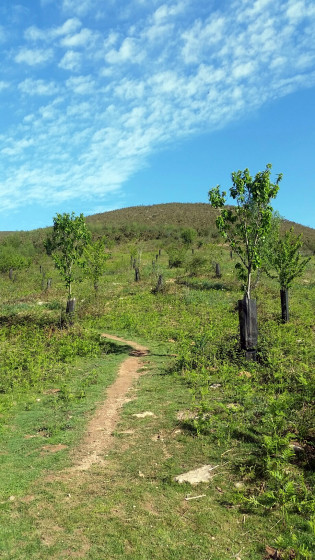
(176, 255)
(188, 236)
(284, 263)
(246, 225)
(66, 243)
(11, 259)
(94, 260)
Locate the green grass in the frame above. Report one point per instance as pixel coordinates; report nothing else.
(239, 416)
(131, 508)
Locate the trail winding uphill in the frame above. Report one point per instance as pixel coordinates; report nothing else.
(99, 436)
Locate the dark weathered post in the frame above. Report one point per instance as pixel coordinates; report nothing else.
(70, 305)
(137, 274)
(284, 295)
(159, 285)
(231, 254)
(160, 251)
(217, 270)
(156, 257)
(247, 311)
(11, 273)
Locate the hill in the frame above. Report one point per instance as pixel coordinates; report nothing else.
(162, 218)
(156, 221)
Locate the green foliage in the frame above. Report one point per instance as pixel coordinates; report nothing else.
(66, 244)
(188, 236)
(197, 265)
(135, 252)
(94, 260)
(255, 421)
(284, 260)
(246, 226)
(12, 258)
(177, 255)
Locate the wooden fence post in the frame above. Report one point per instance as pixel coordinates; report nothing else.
(217, 270)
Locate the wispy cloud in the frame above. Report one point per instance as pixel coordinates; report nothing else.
(71, 60)
(114, 93)
(4, 85)
(38, 87)
(69, 27)
(33, 57)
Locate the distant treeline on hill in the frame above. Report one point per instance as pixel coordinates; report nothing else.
(158, 221)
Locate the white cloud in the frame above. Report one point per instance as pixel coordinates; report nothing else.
(243, 70)
(16, 147)
(201, 35)
(166, 11)
(80, 39)
(296, 10)
(71, 61)
(166, 72)
(79, 8)
(128, 52)
(38, 87)
(81, 85)
(34, 33)
(33, 57)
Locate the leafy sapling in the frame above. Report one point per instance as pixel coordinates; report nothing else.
(284, 262)
(246, 225)
(94, 261)
(66, 243)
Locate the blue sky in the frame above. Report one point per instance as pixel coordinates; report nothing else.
(106, 104)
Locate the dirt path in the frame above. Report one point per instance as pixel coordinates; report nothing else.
(99, 436)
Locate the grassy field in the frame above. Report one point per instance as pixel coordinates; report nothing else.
(252, 421)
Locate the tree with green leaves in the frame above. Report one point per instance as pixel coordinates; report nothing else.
(246, 225)
(188, 236)
(11, 258)
(66, 244)
(94, 260)
(284, 262)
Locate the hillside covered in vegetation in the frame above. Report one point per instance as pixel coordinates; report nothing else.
(167, 281)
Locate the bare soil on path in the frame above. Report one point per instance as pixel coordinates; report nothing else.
(99, 435)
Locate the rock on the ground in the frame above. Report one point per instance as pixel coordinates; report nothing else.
(202, 474)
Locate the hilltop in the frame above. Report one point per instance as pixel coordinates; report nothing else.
(174, 215)
(156, 221)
